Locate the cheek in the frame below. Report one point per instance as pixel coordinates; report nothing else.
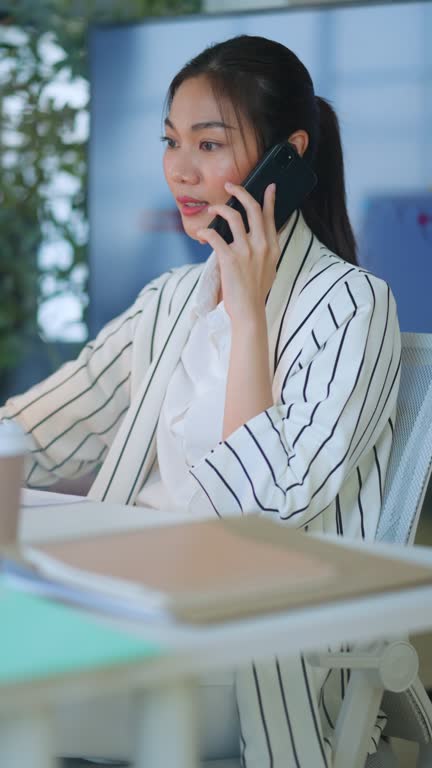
(165, 166)
(226, 171)
(220, 173)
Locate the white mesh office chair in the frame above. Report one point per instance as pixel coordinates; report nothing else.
(410, 711)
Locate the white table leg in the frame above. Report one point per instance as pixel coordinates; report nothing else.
(356, 720)
(27, 739)
(165, 727)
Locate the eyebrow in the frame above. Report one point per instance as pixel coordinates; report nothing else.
(203, 126)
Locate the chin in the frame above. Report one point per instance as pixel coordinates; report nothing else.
(191, 230)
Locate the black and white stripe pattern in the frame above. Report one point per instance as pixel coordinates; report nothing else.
(316, 459)
(75, 415)
(318, 456)
(281, 725)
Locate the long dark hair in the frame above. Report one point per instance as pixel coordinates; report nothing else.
(270, 87)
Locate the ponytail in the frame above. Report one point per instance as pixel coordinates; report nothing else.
(325, 209)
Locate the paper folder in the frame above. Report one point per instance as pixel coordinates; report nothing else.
(215, 570)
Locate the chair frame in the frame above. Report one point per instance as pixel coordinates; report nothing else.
(368, 689)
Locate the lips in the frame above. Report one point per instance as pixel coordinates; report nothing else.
(190, 206)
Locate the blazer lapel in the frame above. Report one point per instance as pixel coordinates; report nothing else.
(132, 454)
(297, 251)
(133, 451)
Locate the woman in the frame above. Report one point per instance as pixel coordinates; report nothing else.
(264, 381)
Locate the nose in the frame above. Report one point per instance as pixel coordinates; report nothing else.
(182, 176)
(183, 172)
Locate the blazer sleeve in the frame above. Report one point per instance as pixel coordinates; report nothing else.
(72, 416)
(332, 399)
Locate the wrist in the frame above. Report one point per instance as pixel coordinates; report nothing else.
(250, 322)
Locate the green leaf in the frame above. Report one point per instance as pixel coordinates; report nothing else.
(26, 214)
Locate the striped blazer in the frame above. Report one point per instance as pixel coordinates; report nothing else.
(317, 458)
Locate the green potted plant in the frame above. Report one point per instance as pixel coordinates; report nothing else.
(44, 43)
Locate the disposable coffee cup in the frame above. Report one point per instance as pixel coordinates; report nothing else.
(13, 448)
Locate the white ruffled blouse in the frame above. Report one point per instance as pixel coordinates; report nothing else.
(191, 419)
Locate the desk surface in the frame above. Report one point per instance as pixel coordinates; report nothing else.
(41, 639)
(191, 650)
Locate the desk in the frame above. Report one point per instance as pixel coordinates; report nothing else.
(163, 684)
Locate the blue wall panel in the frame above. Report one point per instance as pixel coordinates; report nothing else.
(373, 62)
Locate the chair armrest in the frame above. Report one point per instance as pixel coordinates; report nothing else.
(392, 666)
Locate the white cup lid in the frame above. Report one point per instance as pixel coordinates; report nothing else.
(13, 439)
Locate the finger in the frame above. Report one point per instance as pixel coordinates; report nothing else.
(252, 207)
(216, 242)
(234, 219)
(269, 213)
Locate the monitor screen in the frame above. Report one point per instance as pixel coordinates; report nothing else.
(373, 62)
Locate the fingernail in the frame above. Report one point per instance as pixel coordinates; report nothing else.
(228, 185)
(210, 208)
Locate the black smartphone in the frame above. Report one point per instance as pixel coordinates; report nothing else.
(294, 180)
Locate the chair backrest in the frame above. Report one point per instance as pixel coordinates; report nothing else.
(411, 455)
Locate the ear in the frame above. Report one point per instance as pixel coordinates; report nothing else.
(300, 139)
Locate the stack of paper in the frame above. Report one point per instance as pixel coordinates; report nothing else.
(205, 570)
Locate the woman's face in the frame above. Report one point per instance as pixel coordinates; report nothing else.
(201, 154)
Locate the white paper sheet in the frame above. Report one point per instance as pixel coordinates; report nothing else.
(46, 516)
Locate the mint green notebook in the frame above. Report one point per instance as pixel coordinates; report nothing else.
(40, 638)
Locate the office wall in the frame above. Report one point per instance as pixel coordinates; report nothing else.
(373, 62)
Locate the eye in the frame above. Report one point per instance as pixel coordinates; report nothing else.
(170, 143)
(209, 146)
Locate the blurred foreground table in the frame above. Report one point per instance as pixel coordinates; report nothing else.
(49, 653)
